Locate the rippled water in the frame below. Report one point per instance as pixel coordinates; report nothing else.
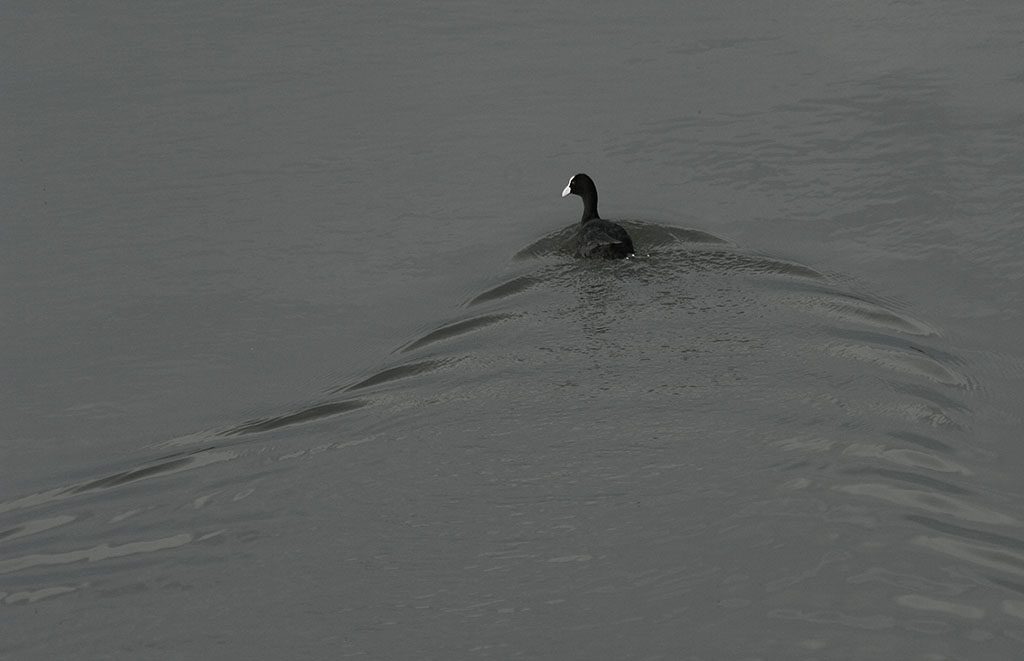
(298, 366)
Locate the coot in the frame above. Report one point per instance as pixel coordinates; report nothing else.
(597, 237)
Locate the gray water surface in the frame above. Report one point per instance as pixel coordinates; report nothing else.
(295, 365)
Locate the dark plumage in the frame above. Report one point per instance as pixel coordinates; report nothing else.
(597, 237)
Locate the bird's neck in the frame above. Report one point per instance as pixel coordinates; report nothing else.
(589, 208)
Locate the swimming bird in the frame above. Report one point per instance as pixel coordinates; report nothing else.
(597, 237)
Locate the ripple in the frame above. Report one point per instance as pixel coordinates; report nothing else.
(93, 554)
(32, 596)
(907, 581)
(308, 414)
(922, 413)
(455, 329)
(196, 459)
(504, 290)
(1014, 608)
(913, 362)
(36, 526)
(1001, 560)
(867, 622)
(133, 475)
(906, 457)
(929, 501)
(396, 373)
(731, 261)
(974, 534)
(853, 309)
(922, 440)
(910, 478)
(924, 603)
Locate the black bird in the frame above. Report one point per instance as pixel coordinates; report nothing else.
(597, 237)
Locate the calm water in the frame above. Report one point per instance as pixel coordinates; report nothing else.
(295, 368)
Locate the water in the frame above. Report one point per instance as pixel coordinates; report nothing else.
(294, 366)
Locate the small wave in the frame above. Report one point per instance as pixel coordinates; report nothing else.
(922, 440)
(906, 457)
(993, 558)
(852, 308)
(914, 362)
(732, 261)
(309, 414)
(909, 477)
(455, 329)
(504, 290)
(929, 501)
(395, 373)
(964, 532)
(166, 466)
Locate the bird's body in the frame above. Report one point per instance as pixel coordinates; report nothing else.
(597, 237)
(603, 238)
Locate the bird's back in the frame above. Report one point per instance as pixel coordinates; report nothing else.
(601, 238)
